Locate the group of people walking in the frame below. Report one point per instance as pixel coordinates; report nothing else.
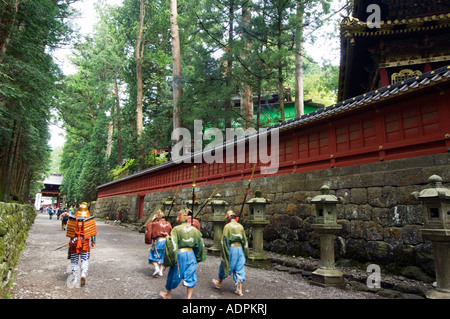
(61, 213)
(179, 248)
(182, 247)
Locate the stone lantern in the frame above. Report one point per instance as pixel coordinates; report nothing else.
(166, 204)
(218, 211)
(257, 220)
(436, 204)
(326, 215)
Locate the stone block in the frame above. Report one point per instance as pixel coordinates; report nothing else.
(390, 196)
(392, 235)
(356, 249)
(293, 248)
(404, 255)
(381, 216)
(375, 197)
(379, 252)
(390, 294)
(270, 233)
(278, 246)
(404, 177)
(358, 196)
(344, 232)
(357, 229)
(411, 234)
(345, 194)
(295, 222)
(286, 233)
(372, 231)
(373, 179)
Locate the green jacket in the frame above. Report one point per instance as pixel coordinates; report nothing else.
(232, 232)
(183, 236)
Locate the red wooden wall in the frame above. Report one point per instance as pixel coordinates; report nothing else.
(384, 130)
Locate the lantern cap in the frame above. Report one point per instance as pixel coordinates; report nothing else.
(435, 191)
(325, 197)
(217, 200)
(258, 199)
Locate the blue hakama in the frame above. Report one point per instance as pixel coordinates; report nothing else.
(185, 270)
(237, 265)
(160, 248)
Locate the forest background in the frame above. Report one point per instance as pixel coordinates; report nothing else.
(148, 67)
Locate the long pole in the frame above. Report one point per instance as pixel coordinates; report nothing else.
(206, 202)
(247, 190)
(173, 201)
(193, 195)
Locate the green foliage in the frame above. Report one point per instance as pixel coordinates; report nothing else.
(28, 78)
(121, 170)
(220, 54)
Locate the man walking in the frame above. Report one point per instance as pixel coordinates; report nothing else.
(155, 234)
(234, 251)
(82, 230)
(184, 249)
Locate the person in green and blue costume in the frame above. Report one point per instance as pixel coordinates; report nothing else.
(234, 252)
(184, 250)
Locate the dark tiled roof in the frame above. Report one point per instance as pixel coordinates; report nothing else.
(412, 84)
(387, 92)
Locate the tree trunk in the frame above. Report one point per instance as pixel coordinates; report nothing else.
(10, 162)
(280, 71)
(229, 50)
(109, 140)
(6, 25)
(119, 123)
(281, 92)
(246, 93)
(176, 59)
(26, 188)
(138, 53)
(299, 103)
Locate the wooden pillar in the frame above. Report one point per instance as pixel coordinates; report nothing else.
(384, 77)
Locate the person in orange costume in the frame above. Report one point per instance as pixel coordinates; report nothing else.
(82, 230)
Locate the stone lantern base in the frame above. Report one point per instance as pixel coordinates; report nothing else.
(438, 294)
(258, 260)
(328, 278)
(440, 239)
(327, 275)
(213, 250)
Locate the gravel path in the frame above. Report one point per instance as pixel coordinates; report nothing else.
(119, 269)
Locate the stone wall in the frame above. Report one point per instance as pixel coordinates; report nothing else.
(381, 223)
(123, 208)
(15, 221)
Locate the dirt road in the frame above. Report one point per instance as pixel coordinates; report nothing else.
(119, 269)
